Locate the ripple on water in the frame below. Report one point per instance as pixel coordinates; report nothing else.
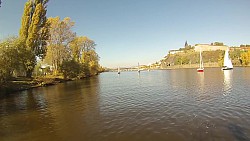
(157, 105)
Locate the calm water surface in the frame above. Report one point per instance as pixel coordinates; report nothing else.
(162, 105)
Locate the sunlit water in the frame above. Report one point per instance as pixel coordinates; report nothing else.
(162, 105)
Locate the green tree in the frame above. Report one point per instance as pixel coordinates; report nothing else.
(70, 68)
(88, 45)
(83, 51)
(89, 57)
(34, 32)
(93, 63)
(245, 58)
(58, 44)
(77, 48)
(218, 44)
(221, 58)
(11, 57)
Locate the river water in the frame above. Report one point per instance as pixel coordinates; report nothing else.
(157, 105)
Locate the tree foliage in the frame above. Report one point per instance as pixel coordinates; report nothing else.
(58, 43)
(83, 51)
(217, 44)
(245, 58)
(64, 47)
(12, 56)
(34, 32)
(50, 39)
(71, 68)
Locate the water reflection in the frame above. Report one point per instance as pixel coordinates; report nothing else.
(25, 112)
(238, 132)
(227, 81)
(160, 105)
(201, 81)
(52, 111)
(76, 108)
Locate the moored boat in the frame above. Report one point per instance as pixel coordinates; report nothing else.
(227, 64)
(118, 70)
(201, 68)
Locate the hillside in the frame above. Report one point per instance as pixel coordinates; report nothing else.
(192, 57)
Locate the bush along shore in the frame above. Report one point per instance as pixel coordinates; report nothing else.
(22, 83)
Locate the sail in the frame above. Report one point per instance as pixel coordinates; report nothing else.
(227, 60)
(201, 68)
(201, 61)
(230, 65)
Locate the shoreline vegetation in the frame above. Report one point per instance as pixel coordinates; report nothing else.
(22, 83)
(46, 52)
(18, 84)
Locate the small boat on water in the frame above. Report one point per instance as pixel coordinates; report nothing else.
(118, 70)
(138, 68)
(201, 68)
(227, 64)
(149, 69)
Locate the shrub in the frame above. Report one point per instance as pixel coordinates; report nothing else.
(70, 69)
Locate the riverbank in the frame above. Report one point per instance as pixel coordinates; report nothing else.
(22, 83)
(193, 66)
(17, 84)
(206, 65)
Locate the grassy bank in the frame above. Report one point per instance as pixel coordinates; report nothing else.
(22, 83)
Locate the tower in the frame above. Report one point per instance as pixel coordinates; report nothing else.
(186, 45)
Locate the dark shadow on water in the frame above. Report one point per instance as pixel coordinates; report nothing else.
(238, 132)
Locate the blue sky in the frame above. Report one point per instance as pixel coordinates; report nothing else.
(132, 31)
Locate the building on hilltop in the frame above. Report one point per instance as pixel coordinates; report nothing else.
(245, 48)
(175, 51)
(181, 50)
(186, 45)
(209, 47)
(241, 48)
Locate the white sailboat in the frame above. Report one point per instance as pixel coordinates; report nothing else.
(227, 65)
(149, 68)
(138, 67)
(118, 70)
(201, 68)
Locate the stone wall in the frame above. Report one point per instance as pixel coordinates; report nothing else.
(207, 47)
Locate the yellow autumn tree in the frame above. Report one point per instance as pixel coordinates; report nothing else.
(34, 32)
(245, 58)
(83, 51)
(58, 43)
